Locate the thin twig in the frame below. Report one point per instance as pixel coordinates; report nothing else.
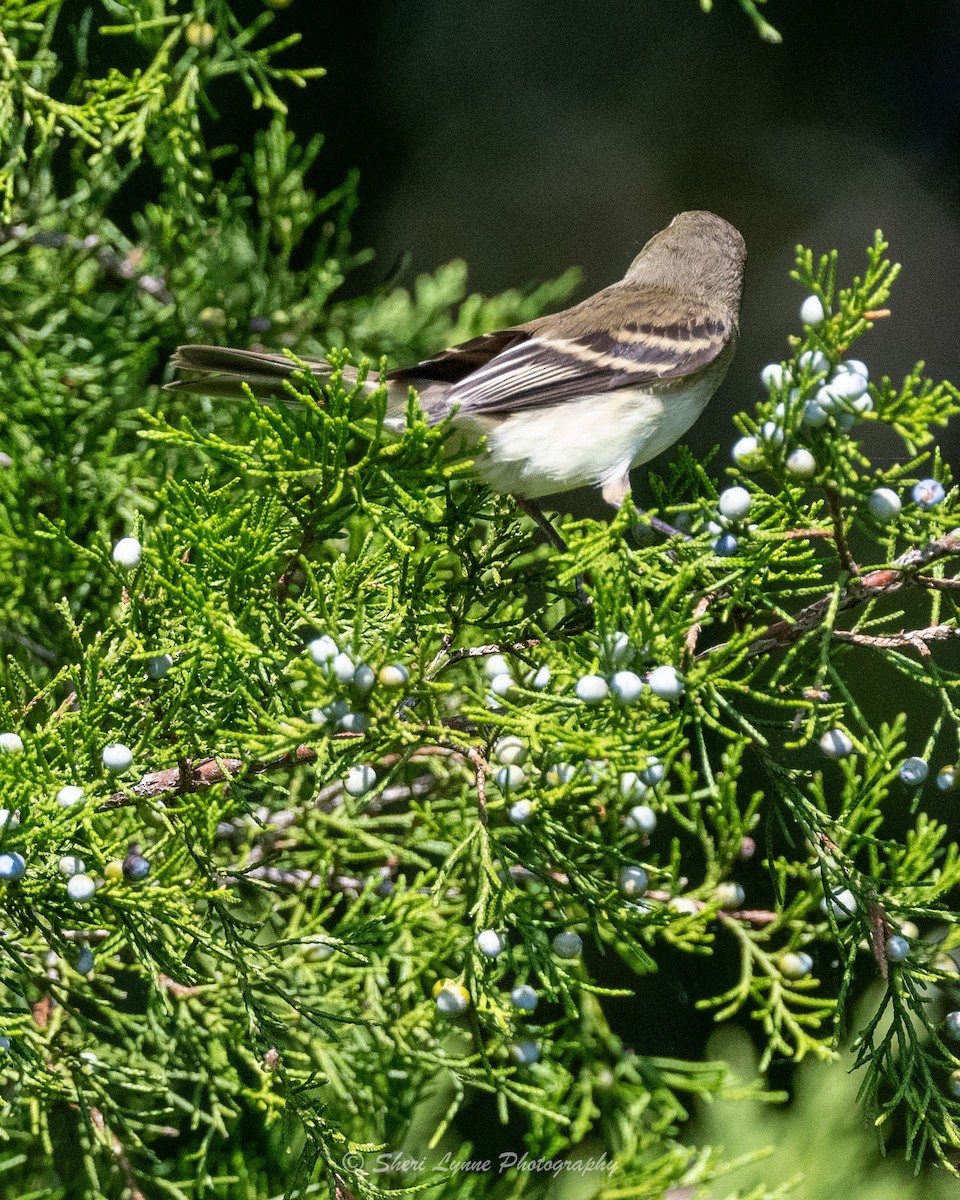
(492, 648)
(196, 776)
(839, 532)
(116, 1147)
(858, 591)
(750, 916)
(480, 767)
(690, 641)
(917, 638)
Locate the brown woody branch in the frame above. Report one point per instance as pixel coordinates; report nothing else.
(191, 776)
(903, 573)
(917, 638)
(839, 530)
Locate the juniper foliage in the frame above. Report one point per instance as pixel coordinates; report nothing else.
(325, 833)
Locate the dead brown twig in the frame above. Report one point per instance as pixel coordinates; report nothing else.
(860, 589)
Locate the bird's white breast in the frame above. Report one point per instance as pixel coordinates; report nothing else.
(593, 440)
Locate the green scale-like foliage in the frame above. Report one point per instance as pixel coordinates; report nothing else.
(260, 1011)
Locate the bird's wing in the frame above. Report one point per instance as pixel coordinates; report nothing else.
(455, 364)
(625, 337)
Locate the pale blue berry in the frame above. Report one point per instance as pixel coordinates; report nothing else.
(354, 722)
(503, 684)
(452, 998)
(520, 812)
(795, 964)
(8, 819)
(665, 682)
(540, 679)
(725, 546)
(69, 864)
(490, 943)
(343, 668)
(592, 689)
(811, 311)
(729, 895)
(836, 744)
(360, 779)
(842, 903)
(884, 504)
(641, 819)
(12, 867)
(928, 493)
(11, 743)
(323, 650)
(393, 675)
(855, 366)
(914, 771)
(734, 503)
(627, 686)
(330, 714)
(814, 414)
(526, 1052)
(746, 453)
(633, 882)
(508, 778)
(947, 779)
(524, 997)
(496, 664)
(618, 649)
(127, 552)
(632, 787)
(773, 375)
(653, 773)
(896, 948)
(952, 1023)
(560, 773)
(69, 795)
(829, 399)
(81, 889)
(159, 665)
(954, 1083)
(567, 944)
(364, 677)
(801, 463)
(511, 751)
(850, 384)
(815, 361)
(85, 962)
(772, 433)
(117, 757)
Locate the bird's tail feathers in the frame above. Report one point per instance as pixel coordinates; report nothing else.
(220, 371)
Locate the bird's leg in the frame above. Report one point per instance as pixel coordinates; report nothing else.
(534, 511)
(616, 491)
(664, 527)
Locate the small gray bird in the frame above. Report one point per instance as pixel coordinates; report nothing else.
(577, 397)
